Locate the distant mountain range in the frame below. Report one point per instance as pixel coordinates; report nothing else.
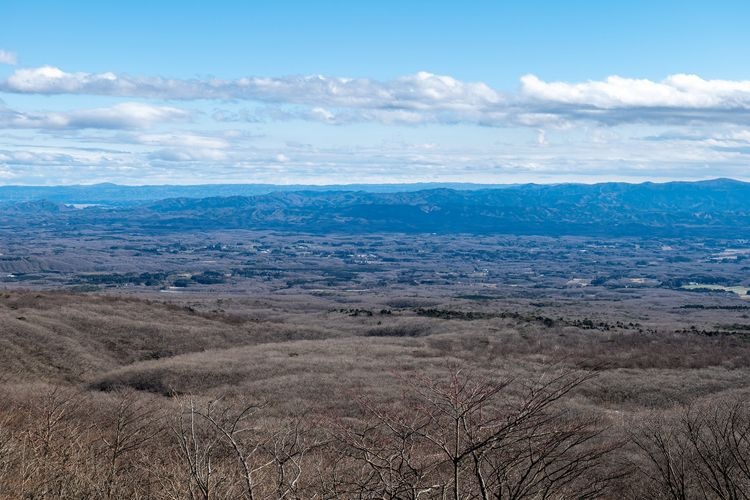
(716, 208)
(117, 195)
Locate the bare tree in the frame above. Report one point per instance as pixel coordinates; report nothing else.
(702, 451)
(197, 449)
(720, 437)
(533, 448)
(237, 427)
(132, 425)
(287, 447)
(457, 436)
(54, 447)
(470, 437)
(391, 453)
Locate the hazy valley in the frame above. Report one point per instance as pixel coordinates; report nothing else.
(327, 308)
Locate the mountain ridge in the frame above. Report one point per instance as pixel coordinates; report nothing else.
(716, 208)
(126, 195)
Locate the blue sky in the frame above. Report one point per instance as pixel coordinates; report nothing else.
(336, 92)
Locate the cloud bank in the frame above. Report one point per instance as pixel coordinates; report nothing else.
(420, 98)
(235, 130)
(420, 91)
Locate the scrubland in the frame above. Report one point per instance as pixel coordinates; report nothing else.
(372, 396)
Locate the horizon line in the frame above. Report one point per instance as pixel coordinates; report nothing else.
(355, 184)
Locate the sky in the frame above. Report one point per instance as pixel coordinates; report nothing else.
(333, 92)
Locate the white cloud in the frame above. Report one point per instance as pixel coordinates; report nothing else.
(188, 154)
(127, 115)
(414, 91)
(676, 91)
(185, 147)
(393, 162)
(421, 98)
(186, 140)
(683, 126)
(410, 99)
(7, 57)
(34, 158)
(51, 80)
(581, 154)
(678, 98)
